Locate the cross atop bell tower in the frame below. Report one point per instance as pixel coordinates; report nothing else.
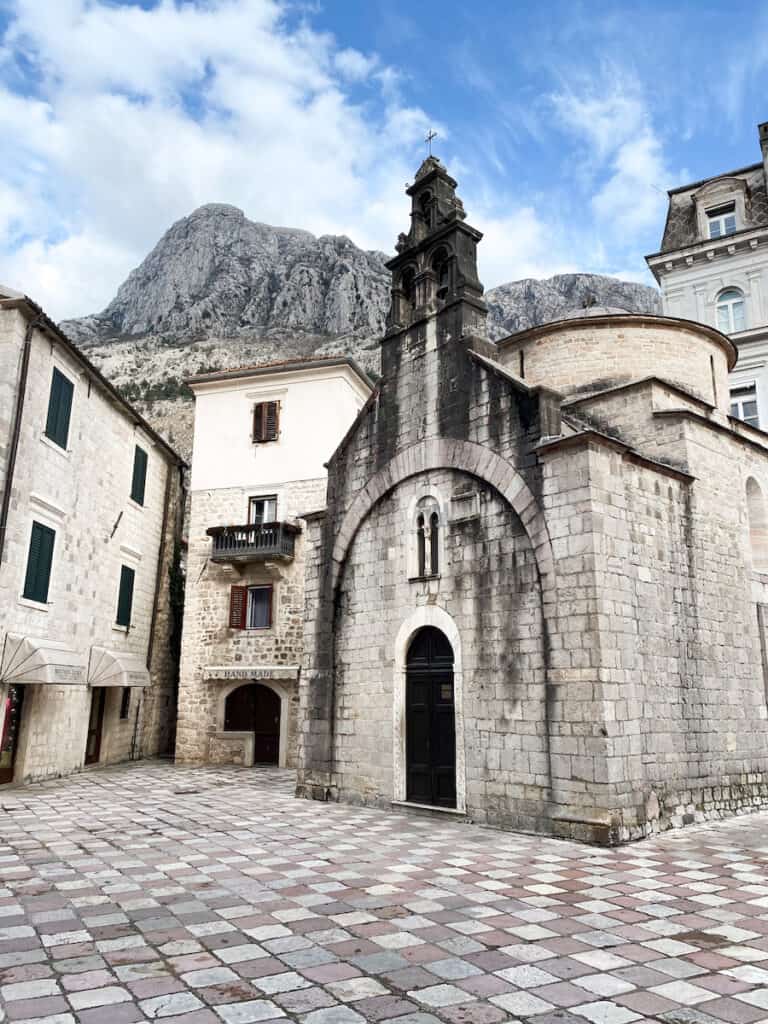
(436, 263)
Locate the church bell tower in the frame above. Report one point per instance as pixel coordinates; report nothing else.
(435, 271)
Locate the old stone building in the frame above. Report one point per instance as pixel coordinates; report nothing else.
(90, 520)
(713, 267)
(262, 436)
(537, 594)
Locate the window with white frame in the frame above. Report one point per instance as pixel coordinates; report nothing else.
(731, 311)
(744, 403)
(262, 510)
(722, 220)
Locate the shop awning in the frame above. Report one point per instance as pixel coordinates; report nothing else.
(113, 668)
(30, 660)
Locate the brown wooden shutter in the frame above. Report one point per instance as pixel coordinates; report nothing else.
(238, 605)
(266, 421)
(271, 421)
(258, 422)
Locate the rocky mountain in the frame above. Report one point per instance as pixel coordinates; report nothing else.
(220, 290)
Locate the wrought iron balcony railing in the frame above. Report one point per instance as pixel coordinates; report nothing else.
(253, 543)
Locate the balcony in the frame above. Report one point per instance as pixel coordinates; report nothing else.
(263, 542)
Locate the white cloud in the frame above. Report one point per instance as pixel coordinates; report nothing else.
(621, 159)
(142, 115)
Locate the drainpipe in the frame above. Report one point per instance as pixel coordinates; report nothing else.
(16, 431)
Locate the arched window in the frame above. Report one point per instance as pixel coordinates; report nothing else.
(421, 546)
(424, 557)
(731, 311)
(442, 272)
(758, 525)
(427, 207)
(434, 551)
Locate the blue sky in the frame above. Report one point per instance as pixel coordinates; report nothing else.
(564, 122)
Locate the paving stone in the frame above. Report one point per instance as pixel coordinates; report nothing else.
(502, 927)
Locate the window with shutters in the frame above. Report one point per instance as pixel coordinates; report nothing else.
(125, 596)
(139, 480)
(59, 409)
(266, 422)
(251, 607)
(125, 702)
(38, 576)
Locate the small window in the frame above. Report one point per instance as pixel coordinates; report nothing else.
(125, 596)
(250, 607)
(722, 220)
(266, 422)
(262, 510)
(125, 702)
(425, 560)
(59, 409)
(730, 311)
(421, 546)
(434, 532)
(259, 608)
(744, 403)
(38, 577)
(139, 481)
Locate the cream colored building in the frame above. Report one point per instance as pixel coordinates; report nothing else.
(90, 507)
(262, 437)
(713, 267)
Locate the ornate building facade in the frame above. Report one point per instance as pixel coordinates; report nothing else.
(536, 596)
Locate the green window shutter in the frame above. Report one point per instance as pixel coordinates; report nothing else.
(125, 597)
(139, 482)
(38, 578)
(59, 409)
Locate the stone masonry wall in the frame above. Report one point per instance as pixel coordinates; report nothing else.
(595, 355)
(207, 638)
(83, 494)
(488, 585)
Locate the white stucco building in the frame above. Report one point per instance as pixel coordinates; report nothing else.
(262, 437)
(90, 506)
(713, 267)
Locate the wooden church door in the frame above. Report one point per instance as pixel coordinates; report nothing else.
(430, 720)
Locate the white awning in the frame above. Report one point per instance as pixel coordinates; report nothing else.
(30, 660)
(113, 668)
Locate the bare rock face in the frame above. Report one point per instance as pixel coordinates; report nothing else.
(218, 274)
(522, 304)
(220, 290)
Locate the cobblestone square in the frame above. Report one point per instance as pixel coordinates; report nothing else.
(154, 892)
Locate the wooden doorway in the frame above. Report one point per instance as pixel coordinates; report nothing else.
(430, 720)
(9, 741)
(256, 708)
(95, 725)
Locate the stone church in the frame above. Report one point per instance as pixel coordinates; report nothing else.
(537, 596)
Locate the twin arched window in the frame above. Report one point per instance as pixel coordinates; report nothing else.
(427, 538)
(731, 311)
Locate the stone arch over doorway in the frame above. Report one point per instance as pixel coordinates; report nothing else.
(283, 693)
(464, 456)
(438, 618)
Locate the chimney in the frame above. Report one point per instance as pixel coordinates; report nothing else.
(763, 133)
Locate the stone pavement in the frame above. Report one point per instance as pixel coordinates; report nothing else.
(203, 896)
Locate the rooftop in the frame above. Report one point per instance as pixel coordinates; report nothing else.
(282, 366)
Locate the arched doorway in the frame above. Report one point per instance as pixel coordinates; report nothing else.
(430, 720)
(256, 708)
